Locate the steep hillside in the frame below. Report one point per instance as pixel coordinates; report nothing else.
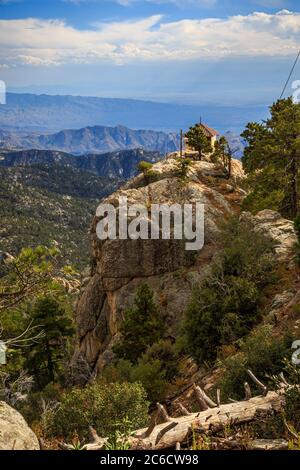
(97, 139)
(119, 267)
(120, 165)
(49, 204)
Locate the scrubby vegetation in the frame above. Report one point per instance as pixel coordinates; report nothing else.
(102, 406)
(261, 352)
(225, 306)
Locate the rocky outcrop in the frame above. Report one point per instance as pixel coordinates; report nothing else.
(280, 230)
(14, 431)
(119, 266)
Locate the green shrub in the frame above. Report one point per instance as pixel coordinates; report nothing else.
(152, 376)
(261, 352)
(225, 306)
(102, 406)
(144, 167)
(182, 167)
(149, 175)
(156, 370)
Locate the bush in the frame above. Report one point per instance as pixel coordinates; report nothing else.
(182, 167)
(225, 306)
(102, 406)
(152, 376)
(149, 174)
(156, 370)
(261, 352)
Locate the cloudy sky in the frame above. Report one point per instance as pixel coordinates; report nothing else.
(189, 51)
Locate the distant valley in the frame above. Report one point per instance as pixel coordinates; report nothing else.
(47, 113)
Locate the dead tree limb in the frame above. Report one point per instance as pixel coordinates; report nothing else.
(183, 410)
(205, 421)
(263, 387)
(248, 393)
(218, 397)
(200, 400)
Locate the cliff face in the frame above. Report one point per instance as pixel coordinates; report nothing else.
(119, 266)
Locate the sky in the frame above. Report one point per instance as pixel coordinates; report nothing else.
(184, 51)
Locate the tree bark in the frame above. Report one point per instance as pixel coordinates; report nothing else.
(212, 419)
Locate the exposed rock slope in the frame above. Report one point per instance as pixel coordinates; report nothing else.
(119, 266)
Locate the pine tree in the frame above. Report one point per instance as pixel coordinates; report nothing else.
(46, 357)
(143, 326)
(271, 160)
(198, 140)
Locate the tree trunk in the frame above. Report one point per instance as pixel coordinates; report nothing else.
(165, 436)
(294, 186)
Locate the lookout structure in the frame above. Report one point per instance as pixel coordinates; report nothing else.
(210, 133)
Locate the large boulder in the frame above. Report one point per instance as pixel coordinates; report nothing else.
(119, 266)
(15, 433)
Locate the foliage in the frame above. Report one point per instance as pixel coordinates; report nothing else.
(225, 306)
(182, 167)
(271, 160)
(262, 352)
(32, 272)
(45, 359)
(143, 325)
(118, 440)
(157, 370)
(198, 140)
(102, 406)
(149, 174)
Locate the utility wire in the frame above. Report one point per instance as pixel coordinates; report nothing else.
(291, 73)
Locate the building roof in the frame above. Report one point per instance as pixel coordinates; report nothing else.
(208, 131)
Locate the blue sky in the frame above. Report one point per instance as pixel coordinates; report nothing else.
(189, 51)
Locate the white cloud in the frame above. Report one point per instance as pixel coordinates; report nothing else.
(126, 3)
(53, 42)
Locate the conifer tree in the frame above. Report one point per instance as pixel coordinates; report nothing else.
(198, 140)
(45, 357)
(271, 160)
(143, 326)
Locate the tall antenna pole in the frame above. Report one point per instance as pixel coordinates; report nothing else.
(181, 142)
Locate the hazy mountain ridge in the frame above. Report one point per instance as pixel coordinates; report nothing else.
(121, 164)
(97, 139)
(41, 113)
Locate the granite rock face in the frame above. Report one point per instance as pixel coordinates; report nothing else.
(280, 230)
(119, 266)
(15, 434)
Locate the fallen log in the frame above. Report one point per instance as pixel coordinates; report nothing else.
(212, 419)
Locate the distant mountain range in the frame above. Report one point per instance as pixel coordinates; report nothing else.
(97, 139)
(121, 165)
(47, 113)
